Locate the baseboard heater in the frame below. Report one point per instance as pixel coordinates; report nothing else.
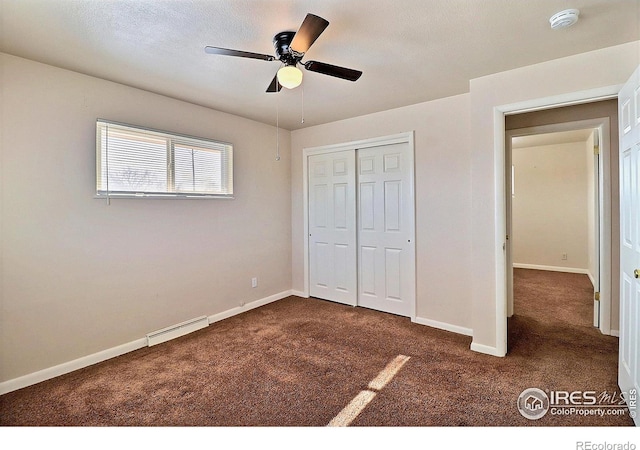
(174, 331)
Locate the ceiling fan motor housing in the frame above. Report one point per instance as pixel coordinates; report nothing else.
(281, 42)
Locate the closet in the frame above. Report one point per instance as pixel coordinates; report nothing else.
(360, 224)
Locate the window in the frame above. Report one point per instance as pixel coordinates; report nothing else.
(139, 162)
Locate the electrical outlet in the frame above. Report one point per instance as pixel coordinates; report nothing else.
(564, 256)
(254, 282)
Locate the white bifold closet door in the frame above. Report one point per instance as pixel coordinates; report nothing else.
(361, 227)
(332, 227)
(386, 255)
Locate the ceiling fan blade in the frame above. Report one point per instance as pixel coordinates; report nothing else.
(229, 52)
(334, 71)
(275, 85)
(312, 26)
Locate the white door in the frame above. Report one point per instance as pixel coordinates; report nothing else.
(629, 361)
(386, 248)
(332, 227)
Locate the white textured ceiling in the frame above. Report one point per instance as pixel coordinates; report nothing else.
(410, 51)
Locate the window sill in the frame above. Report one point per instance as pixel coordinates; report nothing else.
(164, 196)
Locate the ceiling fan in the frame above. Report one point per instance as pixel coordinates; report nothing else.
(290, 49)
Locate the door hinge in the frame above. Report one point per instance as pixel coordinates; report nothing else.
(596, 296)
(596, 149)
(507, 237)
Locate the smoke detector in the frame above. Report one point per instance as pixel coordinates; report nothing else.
(564, 19)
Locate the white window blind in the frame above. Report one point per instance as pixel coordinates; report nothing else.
(140, 162)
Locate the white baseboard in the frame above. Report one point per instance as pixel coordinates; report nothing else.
(551, 268)
(615, 333)
(299, 294)
(85, 361)
(481, 348)
(76, 364)
(592, 278)
(444, 326)
(248, 306)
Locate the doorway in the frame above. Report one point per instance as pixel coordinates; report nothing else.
(596, 115)
(359, 224)
(556, 220)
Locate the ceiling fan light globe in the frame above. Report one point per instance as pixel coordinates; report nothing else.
(290, 77)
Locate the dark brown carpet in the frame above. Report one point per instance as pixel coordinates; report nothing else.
(299, 362)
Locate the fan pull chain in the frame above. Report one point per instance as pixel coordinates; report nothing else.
(302, 91)
(277, 127)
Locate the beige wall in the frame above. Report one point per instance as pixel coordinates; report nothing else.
(442, 173)
(550, 206)
(78, 276)
(554, 81)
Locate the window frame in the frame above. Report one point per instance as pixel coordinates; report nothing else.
(171, 141)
